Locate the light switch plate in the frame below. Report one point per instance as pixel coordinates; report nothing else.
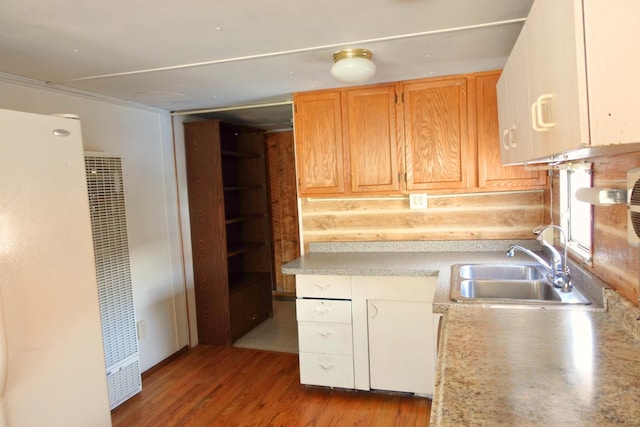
(418, 201)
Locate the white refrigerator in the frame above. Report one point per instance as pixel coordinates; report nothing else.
(52, 370)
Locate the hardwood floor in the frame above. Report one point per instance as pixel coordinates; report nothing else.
(228, 386)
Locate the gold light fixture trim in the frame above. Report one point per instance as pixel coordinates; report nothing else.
(352, 53)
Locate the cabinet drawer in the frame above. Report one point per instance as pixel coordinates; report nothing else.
(325, 337)
(323, 286)
(321, 310)
(326, 370)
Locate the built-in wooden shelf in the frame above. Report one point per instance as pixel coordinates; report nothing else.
(227, 179)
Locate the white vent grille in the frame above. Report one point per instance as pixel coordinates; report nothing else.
(633, 206)
(109, 226)
(124, 381)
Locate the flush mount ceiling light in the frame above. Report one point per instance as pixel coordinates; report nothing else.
(353, 65)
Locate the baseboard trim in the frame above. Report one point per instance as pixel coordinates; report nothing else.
(165, 362)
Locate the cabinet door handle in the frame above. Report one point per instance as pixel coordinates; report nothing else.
(326, 367)
(375, 311)
(321, 286)
(537, 120)
(513, 136)
(506, 136)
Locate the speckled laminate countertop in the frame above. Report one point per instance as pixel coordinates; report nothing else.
(504, 365)
(424, 259)
(401, 258)
(510, 367)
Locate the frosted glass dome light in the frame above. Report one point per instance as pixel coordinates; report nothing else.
(353, 65)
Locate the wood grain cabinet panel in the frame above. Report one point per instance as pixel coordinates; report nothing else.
(284, 205)
(436, 131)
(404, 137)
(369, 115)
(319, 146)
(491, 173)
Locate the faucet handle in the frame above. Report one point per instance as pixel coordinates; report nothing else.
(539, 229)
(563, 281)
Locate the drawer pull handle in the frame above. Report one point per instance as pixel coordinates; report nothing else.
(321, 286)
(326, 367)
(324, 335)
(323, 310)
(375, 311)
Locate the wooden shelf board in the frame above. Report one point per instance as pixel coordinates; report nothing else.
(240, 248)
(244, 218)
(243, 187)
(244, 154)
(247, 279)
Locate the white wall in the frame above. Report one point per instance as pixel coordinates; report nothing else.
(144, 140)
(181, 173)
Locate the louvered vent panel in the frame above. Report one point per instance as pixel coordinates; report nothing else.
(109, 227)
(633, 217)
(635, 194)
(124, 382)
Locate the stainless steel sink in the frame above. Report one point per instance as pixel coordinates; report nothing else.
(508, 289)
(508, 284)
(500, 272)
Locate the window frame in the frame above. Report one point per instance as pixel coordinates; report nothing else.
(571, 179)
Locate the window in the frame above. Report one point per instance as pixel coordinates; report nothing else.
(576, 217)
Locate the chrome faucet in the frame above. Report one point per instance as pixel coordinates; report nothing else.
(558, 271)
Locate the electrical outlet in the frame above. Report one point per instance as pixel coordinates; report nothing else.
(141, 326)
(418, 201)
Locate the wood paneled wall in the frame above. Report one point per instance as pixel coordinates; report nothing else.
(284, 206)
(506, 215)
(614, 260)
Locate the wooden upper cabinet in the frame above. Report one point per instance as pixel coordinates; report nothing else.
(491, 173)
(439, 134)
(319, 145)
(436, 133)
(370, 135)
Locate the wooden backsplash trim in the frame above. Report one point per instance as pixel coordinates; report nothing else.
(488, 216)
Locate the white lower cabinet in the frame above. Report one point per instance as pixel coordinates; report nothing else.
(382, 338)
(331, 370)
(325, 335)
(400, 346)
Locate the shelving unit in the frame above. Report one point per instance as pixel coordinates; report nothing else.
(230, 229)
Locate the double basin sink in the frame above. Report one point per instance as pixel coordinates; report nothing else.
(508, 284)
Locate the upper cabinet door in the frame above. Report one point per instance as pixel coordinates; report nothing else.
(557, 77)
(369, 118)
(515, 117)
(491, 173)
(582, 79)
(319, 145)
(438, 152)
(612, 41)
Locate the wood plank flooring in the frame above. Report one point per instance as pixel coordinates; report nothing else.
(228, 386)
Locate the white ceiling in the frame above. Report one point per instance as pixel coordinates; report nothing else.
(200, 54)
